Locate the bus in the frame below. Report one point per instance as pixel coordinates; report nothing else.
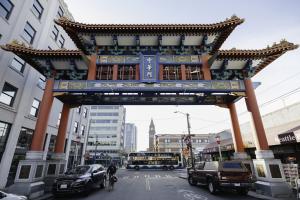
(154, 160)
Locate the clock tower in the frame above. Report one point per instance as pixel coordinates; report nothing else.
(151, 135)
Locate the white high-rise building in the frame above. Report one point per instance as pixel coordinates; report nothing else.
(21, 87)
(130, 138)
(106, 134)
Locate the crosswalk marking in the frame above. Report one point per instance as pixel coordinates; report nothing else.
(148, 176)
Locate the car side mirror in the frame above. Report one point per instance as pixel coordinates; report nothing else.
(95, 171)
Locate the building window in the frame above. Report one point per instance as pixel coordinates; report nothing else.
(42, 82)
(35, 108)
(85, 110)
(58, 121)
(18, 64)
(54, 33)
(37, 9)
(60, 12)
(4, 132)
(82, 128)
(6, 8)
(8, 94)
(25, 139)
(29, 33)
(167, 140)
(75, 127)
(61, 41)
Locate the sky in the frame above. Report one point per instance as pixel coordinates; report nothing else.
(266, 22)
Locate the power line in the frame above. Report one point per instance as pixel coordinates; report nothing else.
(279, 83)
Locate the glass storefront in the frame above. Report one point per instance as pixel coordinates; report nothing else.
(23, 145)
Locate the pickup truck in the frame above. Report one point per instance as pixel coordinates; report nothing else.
(221, 175)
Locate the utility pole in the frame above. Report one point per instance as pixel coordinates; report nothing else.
(95, 155)
(188, 138)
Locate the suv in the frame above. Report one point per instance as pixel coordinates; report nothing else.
(221, 175)
(80, 179)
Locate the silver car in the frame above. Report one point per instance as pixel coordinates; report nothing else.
(6, 196)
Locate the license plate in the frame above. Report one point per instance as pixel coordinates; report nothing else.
(63, 186)
(237, 184)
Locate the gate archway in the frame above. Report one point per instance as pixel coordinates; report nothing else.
(147, 65)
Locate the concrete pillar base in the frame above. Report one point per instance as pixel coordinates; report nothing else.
(55, 167)
(29, 177)
(240, 156)
(34, 155)
(58, 156)
(264, 154)
(274, 189)
(270, 176)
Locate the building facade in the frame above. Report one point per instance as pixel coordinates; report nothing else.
(106, 134)
(151, 136)
(130, 138)
(176, 143)
(30, 22)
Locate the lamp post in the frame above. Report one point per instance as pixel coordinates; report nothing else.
(95, 155)
(218, 139)
(188, 138)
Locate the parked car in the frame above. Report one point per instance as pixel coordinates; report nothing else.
(81, 179)
(6, 196)
(221, 175)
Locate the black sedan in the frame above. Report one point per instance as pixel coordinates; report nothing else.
(81, 179)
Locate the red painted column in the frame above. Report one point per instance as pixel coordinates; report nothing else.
(257, 121)
(137, 72)
(62, 130)
(161, 72)
(183, 73)
(115, 72)
(205, 67)
(43, 116)
(237, 139)
(92, 68)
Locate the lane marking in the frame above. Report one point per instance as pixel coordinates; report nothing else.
(190, 195)
(148, 188)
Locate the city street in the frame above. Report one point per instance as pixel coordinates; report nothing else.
(158, 185)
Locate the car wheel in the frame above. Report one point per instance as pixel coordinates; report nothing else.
(171, 168)
(192, 181)
(243, 191)
(88, 189)
(211, 187)
(102, 185)
(165, 168)
(137, 168)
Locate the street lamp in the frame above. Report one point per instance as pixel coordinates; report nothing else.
(95, 156)
(189, 135)
(218, 139)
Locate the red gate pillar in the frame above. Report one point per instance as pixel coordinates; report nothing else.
(62, 130)
(161, 72)
(237, 136)
(137, 72)
(265, 165)
(92, 68)
(205, 67)
(43, 116)
(183, 74)
(115, 72)
(262, 143)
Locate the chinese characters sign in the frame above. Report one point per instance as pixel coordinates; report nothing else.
(149, 69)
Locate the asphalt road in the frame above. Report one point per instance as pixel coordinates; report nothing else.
(154, 185)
